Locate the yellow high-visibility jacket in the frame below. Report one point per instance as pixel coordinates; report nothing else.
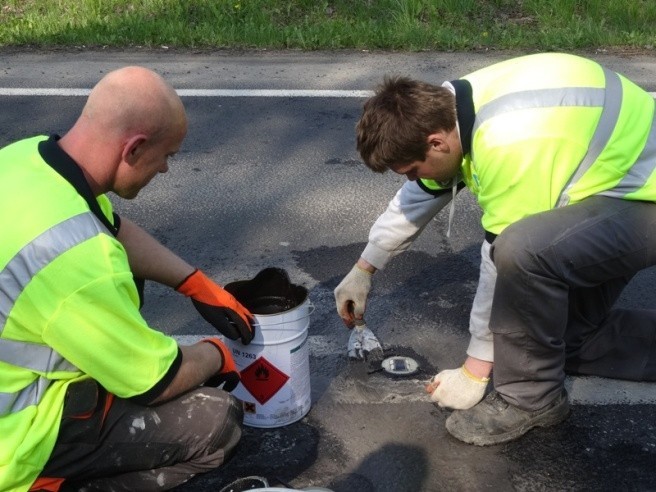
(545, 130)
(69, 308)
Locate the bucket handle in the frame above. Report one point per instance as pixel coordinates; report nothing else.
(312, 307)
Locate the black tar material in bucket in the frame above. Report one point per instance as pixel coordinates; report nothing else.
(269, 292)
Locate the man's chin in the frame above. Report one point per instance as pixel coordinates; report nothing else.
(128, 194)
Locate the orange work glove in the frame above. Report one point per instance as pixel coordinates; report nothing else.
(228, 375)
(218, 307)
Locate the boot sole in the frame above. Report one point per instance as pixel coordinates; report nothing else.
(548, 419)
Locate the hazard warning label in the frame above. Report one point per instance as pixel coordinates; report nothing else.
(263, 380)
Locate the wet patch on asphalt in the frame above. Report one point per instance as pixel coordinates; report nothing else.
(415, 291)
(277, 454)
(287, 457)
(571, 456)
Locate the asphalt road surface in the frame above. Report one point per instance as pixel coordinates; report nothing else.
(272, 178)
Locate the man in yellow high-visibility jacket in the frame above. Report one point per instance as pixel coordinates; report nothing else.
(90, 395)
(560, 153)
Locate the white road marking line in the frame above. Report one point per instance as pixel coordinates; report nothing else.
(45, 91)
(582, 390)
(37, 91)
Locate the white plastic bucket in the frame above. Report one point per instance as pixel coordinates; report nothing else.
(275, 368)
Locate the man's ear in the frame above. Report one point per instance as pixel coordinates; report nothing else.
(437, 142)
(133, 148)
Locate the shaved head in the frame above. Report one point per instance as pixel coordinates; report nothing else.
(132, 122)
(133, 100)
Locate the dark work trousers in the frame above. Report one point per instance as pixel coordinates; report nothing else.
(558, 275)
(134, 447)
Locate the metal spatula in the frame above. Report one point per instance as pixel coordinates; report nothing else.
(363, 344)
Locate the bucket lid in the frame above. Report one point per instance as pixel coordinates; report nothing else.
(269, 292)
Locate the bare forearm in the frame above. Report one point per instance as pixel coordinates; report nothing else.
(199, 362)
(365, 265)
(149, 259)
(479, 368)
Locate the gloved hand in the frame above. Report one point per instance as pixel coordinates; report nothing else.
(218, 307)
(228, 375)
(351, 295)
(457, 388)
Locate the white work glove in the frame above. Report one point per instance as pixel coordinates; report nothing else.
(351, 294)
(457, 388)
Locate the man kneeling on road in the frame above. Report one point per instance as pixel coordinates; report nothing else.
(560, 153)
(90, 396)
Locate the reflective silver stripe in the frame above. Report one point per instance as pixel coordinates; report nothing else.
(37, 358)
(605, 126)
(33, 356)
(540, 98)
(30, 395)
(608, 98)
(641, 170)
(39, 253)
(15, 276)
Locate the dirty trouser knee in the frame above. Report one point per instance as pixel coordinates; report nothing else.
(621, 346)
(545, 261)
(142, 448)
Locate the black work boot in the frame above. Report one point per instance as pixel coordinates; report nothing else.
(494, 420)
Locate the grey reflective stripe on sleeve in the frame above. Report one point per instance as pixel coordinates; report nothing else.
(37, 254)
(641, 170)
(609, 116)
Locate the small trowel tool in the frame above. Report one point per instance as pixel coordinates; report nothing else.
(363, 344)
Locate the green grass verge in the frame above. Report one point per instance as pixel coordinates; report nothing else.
(332, 24)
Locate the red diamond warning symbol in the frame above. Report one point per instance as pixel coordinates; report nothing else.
(263, 380)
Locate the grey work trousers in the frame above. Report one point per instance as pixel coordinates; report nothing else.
(134, 447)
(559, 273)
